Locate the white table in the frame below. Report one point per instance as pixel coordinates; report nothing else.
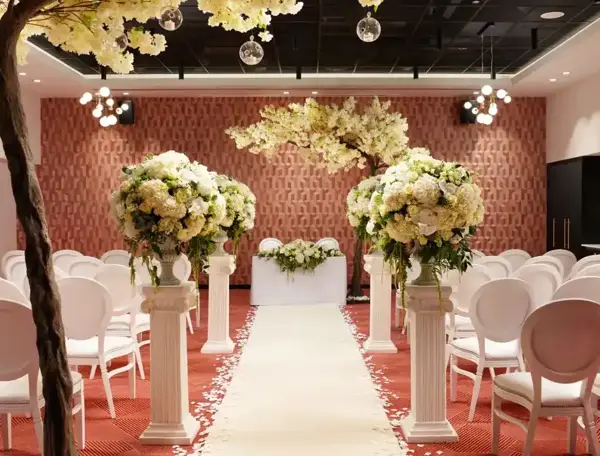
(271, 287)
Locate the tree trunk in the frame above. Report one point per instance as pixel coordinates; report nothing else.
(57, 387)
(355, 284)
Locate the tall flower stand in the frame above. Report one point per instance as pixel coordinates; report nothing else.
(380, 323)
(220, 266)
(427, 422)
(171, 422)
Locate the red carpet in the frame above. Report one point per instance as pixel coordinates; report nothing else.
(119, 436)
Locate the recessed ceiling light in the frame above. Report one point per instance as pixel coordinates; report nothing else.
(286, 93)
(125, 93)
(315, 92)
(476, 92)
(22, 74)
(36, 80)
(553, 80)
(566, 73)
(552, 15)
(476, 2)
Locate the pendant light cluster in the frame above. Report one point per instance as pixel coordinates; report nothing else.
(104, 108)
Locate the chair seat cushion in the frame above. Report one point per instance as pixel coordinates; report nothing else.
(553, 394)
(493, 350)
(113, 346)
(461, 323)
(120, 323)
(17, 391)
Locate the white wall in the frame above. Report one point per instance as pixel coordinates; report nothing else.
(573, 121)
(32, 106)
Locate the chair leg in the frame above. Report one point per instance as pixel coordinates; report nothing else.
(453, 378)
(131, 374)
(38, 426)
(140, 365)
(198, 312)
(93, 371)
(589, 423)
(6, 421)
(492, 373)
(107, 391)
(405, 323)
(571, 435)
(188, 318)
(396, 316)
(80, 419)
(533, 420)
(476, 389)
(496, 405)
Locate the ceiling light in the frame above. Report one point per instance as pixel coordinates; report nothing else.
(125, 93)
(566, 73)
(36, 80)
(553, 80)
(476, 92)
(315, 92)
(552, 15)
(476, 2)
(22, 74)
(286, 93)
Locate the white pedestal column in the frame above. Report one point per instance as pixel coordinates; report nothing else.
(427, 422)
(380, 324)
(171, 422)
(220, 267)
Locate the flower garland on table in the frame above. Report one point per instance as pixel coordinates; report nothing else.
(240, 208)
(299, 255)
(357, 206)
(429, 209)
(168, 199)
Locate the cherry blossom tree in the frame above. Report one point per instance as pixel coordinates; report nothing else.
(334, 137)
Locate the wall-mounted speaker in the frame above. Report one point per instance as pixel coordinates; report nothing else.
(468, 111)
(127, 117)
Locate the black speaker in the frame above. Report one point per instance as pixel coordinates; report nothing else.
(127, 117)
(467, 116)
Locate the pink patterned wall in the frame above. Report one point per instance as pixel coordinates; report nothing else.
(81, 164)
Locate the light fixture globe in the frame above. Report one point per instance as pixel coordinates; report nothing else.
(119, 111)
(104, 121)
(507, 99)
(104, 92)
(125, 107)
(475, 110)
(468, 105)
(97, 113)
(488, 119)
(368, 29)
(501, 94)
(487, 90)
(480, 118)
(480, 99)
(112, 119)
(110, 102)
(251, 52)
(170, 19)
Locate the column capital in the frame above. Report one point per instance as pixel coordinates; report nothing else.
(172, 298)
(427, 299)
(221, 264)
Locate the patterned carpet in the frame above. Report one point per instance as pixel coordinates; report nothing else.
(210, 375)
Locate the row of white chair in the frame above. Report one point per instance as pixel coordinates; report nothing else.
(272, 243)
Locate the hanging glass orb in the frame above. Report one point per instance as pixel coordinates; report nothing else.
(119, 111)
(251, 52)
(480, 99)
(170, 19)
(475, 110)
(481, 118)
(122, 42)
(97, 113)
(104, 121)
(125, 107)
(493, 110)
(487, 90)
(104, 92)
(368, 29)
(468, 105)
(501, 93)
(507, 99)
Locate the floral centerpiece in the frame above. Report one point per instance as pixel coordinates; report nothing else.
(167, 205)
(357, 206)
(299, 255)
(429, 209)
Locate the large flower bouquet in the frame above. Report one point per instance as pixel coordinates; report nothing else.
(299, 255)
(429, 209)
(168, 201)
(357, 206)
(240, 208)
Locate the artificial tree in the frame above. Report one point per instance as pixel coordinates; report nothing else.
(333, 137)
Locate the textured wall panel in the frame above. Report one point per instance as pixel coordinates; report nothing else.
(81, 164)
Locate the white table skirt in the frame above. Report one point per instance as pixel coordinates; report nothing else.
(271, 287)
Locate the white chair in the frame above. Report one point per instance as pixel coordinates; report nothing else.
(86, 310)
(328, 243)
(16, 271)
(269, 244)
(515, 257)
(85, 266)
(498, 267)
(550, 261)
(566, 257)
(458, 322)
(592, 270)
(20, 380)
(477, 254)
(58, 274)
(543, 279)
(63, 258)
(580, 288)
(127, 320)
(498, 310)
(12, 292)
(560, 342)
(116, 257)
(583, 263)
(7, 257)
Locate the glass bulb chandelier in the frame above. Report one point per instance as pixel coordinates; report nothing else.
(104, 107)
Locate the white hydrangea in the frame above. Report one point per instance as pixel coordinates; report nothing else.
(240, 207)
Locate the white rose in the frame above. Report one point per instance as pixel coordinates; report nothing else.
(370, 227)
(299, 258)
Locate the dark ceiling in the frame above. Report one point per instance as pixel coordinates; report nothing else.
(437, 36)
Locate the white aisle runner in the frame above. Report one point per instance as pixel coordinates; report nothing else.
(301, 389)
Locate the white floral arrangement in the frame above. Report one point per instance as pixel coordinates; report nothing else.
(168, 199)
(240, 208)
(357, 205)
(299, 255)
(429, 209)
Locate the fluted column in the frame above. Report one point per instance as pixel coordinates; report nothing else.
(220, 267)
(427, 422)
(380, 323)
(170, 420)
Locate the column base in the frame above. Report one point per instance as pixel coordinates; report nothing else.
(380, 346)
(216, 347)
(183, 433)
(434, 432)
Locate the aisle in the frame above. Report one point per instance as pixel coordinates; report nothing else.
(301, 388)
